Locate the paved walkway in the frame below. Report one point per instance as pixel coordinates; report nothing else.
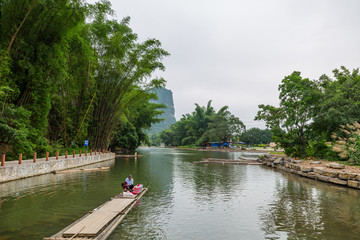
(40, 160)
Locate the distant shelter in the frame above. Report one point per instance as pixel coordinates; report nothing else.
(219, 144)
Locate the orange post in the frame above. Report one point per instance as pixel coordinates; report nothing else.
(95, 151)
(57, 155)
(47, 156)
(103, 151)
(85, 152)
(34, 158)
(66, 153)
(80, 154)
(20, 158)
(74, 153)
(3, 160)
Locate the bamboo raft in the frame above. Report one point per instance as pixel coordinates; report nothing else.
(101, 222)
(82, 170)
(227, 161)
(128, 156)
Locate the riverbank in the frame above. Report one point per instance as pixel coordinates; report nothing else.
(14, 171)
(226, 150)
(324, 171)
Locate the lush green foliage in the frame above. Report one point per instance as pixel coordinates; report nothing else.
(256, 136)
(131, 132)
(203, 125)
(310, 111)
(68, 74)
(348, 147)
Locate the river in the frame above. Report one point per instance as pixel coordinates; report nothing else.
(185, 201)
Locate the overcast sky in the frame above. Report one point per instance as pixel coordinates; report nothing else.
(236, 52)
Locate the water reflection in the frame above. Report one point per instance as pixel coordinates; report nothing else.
(153, 170)
(46, 181)
(306, 209)
(185, 201)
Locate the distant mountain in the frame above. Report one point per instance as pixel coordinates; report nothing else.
(166, 97)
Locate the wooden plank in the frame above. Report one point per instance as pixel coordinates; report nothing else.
(111, 227)
(91, 225)
(116, 205)
(128, 156)
(95, 222)
(121, 209)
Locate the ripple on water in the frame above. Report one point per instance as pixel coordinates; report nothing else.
(185, 201)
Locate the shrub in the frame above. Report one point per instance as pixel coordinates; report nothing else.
(348, 145)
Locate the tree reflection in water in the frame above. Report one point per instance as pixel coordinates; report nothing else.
(307, 209)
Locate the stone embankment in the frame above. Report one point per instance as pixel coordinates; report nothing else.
(318, 170)
(243, 161)
(13, 170)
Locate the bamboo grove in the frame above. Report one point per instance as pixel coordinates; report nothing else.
(69, 72)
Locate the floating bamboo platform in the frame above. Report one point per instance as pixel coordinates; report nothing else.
(128, 156)
(82, 170)
(101, 222)
(228, 161)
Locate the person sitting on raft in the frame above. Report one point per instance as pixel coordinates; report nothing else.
(128, 184)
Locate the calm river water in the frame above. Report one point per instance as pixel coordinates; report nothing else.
(185, 201)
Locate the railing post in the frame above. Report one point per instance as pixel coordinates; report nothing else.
(20, 158)
(103, 151)
(66, 153)
(95, 151)
(34, 158)
(74, 153)
(80, 154)
(85, 152)
(57, 155)
(47, 156)
(90, 152)
(3, 160)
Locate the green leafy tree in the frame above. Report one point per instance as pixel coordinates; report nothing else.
(223, 127)
(123, 65)
(348, 146)
(340, 103)
(257, 136)
(68, 73)
(139, 118)
(203, 125)
(291, 121)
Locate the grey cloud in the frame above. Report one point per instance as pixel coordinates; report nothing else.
(237, 52)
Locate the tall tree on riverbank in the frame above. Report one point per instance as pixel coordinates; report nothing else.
(291, 121)
(68, 73)
(256, 136)
(203, 125)
(35, 35)
(311, 111)
(123, 73)
(340, 104)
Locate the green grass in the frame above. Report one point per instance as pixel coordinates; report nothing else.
(347, 163)
(277, 153)
(188, 146)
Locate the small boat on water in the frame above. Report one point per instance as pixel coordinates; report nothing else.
(81, 170)
(99, 223)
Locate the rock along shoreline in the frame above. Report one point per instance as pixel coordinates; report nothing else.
(318, 170)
